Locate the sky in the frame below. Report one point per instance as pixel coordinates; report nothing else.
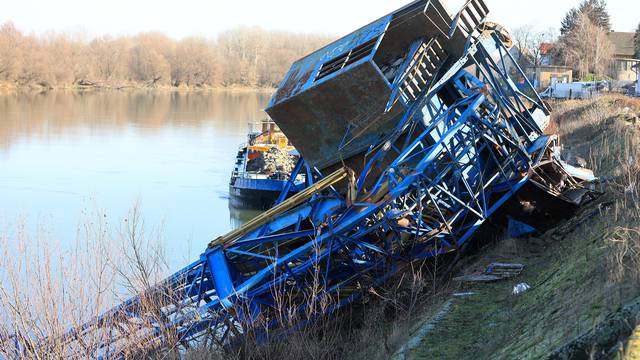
(183, 18)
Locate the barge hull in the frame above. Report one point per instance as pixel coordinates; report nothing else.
(260, 194)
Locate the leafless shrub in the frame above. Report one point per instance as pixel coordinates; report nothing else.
(49, 289)
(141, 261)
(306, 334)
(624, 254)
(46, 290)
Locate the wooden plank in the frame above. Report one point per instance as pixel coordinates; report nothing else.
(285, 206)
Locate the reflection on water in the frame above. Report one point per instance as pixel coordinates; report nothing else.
(64, 154)
(241, 216)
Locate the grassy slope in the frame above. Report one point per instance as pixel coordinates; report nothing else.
(575, 280)
(568, 297)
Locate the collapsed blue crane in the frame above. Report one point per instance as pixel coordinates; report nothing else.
(414, 134)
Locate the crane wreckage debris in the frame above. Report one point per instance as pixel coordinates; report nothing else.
(413, 133)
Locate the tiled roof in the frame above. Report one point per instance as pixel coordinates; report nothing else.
(546, 47)
(623, 43)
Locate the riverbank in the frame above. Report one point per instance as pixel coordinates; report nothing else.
(8, 88)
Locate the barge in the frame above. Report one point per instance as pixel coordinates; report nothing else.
(263, 168)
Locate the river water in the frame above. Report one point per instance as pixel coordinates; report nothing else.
(67, 156)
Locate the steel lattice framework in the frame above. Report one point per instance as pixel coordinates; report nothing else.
(464, 146)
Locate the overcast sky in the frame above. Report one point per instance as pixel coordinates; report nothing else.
(208, 17)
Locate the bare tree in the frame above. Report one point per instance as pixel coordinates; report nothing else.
(148, 66)
(246, 56)
(195, 63)
(71, 61)
(636, 42)
(10, 53)
(111, 58)
(529, 43)
(587, 48)
(36, 64)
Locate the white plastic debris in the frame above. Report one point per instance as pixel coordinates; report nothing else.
(463, 294)
(521, 288)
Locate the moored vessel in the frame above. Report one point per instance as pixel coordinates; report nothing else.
(263, 168)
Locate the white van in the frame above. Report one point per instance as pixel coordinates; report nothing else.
(575, 90)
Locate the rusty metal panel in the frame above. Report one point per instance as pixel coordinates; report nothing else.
(332, 103)
(302, 74)
(339, 118)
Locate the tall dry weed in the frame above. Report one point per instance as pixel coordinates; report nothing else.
(49, 288)
(605, 132)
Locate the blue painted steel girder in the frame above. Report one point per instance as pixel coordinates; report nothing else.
(460, 151)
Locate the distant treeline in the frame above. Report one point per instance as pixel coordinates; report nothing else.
(248, 57)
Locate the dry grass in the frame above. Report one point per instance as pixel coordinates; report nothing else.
(49, 289)
(607, 132)
(624, 257)
(373, 328)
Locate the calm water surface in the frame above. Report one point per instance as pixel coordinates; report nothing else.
(65, 156)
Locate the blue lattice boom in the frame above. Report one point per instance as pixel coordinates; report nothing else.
(458, 139)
